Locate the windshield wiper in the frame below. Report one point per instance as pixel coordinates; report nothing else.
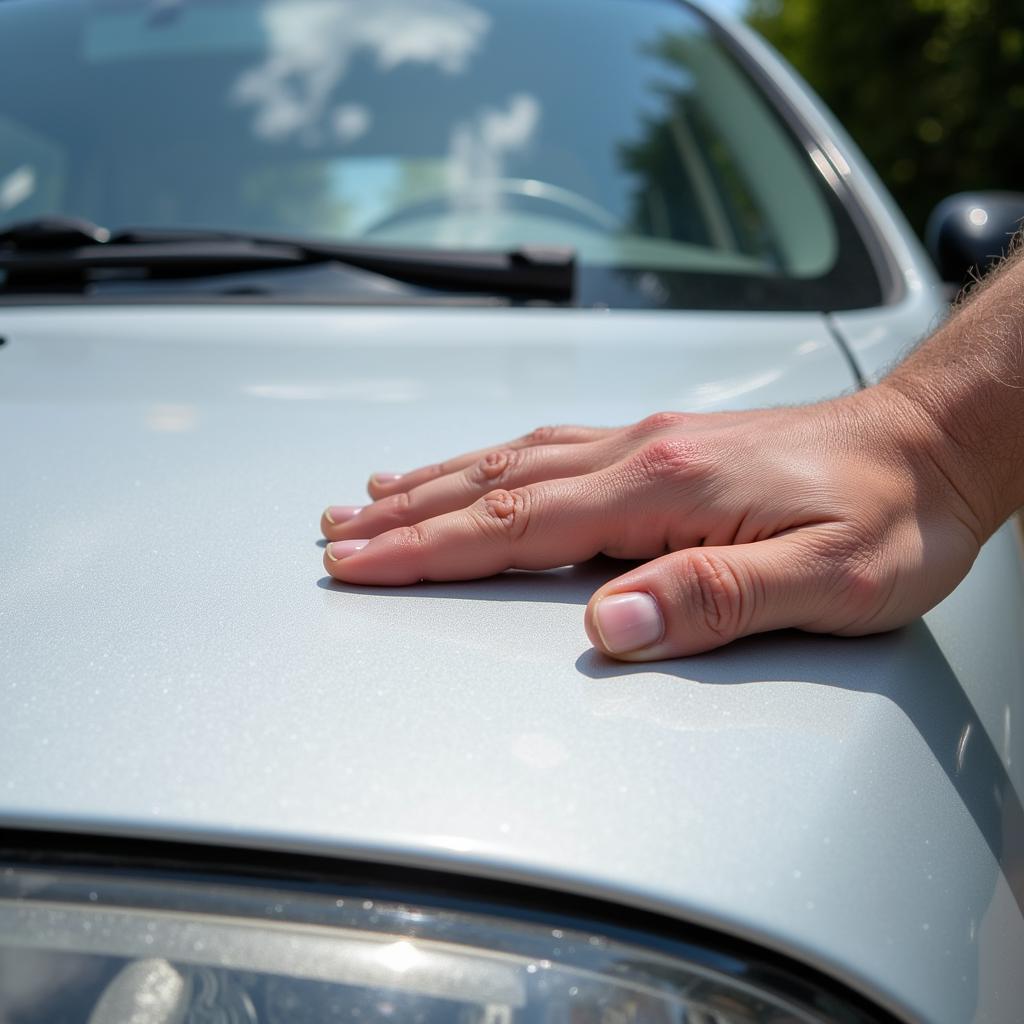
(66, 253)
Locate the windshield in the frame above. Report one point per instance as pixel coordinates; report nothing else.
(620, 128)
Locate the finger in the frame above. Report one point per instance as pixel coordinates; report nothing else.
(540, 526)
(503, 468)
(697, 599)
(383, 484)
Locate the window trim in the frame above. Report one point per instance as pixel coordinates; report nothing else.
(816, 146)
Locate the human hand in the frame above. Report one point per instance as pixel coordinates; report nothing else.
(846, 517)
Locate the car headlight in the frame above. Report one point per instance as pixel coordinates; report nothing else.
(105, 948)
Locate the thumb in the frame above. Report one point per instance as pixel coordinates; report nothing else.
(700, 598)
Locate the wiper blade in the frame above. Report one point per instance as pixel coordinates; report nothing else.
(59, 251)
(52, 232)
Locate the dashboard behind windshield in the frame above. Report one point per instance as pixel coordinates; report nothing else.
(622, 129)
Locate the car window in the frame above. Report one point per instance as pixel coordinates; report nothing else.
(621, 128)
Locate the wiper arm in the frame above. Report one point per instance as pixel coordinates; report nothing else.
(52, 232)
(65, 250)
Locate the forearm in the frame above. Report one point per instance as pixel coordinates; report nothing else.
(968, 380)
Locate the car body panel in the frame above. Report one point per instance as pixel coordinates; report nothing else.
(877, 338)
(170, 665)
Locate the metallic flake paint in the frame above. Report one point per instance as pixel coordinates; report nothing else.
(174, 664)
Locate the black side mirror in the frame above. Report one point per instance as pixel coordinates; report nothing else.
(969, 231)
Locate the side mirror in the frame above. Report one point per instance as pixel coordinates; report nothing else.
(971, 230)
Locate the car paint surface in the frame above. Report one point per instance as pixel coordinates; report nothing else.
(174, 664)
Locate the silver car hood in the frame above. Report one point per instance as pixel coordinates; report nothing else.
(174, 664)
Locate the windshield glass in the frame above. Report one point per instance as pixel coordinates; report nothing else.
(621, 128)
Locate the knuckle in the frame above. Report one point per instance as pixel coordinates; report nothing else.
(542, 435)
(668, 458)
(859, 582)
(408, 537)
(506, 513)
(717, 593)
(398, 506)
(850, 564)
(493, 467)
(658, 421)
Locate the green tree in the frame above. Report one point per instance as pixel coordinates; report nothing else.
(932, 90)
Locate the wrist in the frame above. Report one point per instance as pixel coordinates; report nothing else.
(967, 383)
(910, 424)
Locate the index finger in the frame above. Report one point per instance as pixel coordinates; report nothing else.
(540, 526)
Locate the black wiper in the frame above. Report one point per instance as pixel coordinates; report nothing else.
(53, 232)
(68, 253)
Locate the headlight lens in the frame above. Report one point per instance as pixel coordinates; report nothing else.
(104, 949)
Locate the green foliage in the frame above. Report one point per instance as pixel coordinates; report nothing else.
(932, 90)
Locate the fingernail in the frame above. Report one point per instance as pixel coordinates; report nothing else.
(386, 478)
(340, 549)
(628, 622)
(338, 514)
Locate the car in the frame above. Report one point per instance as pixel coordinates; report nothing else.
(251, 251)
